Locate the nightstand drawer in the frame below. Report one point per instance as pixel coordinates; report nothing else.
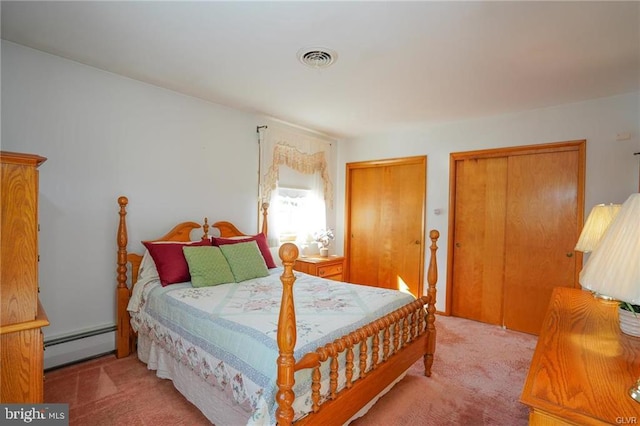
(330, 267)
(328, 270)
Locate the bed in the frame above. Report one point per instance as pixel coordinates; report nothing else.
(246, 350)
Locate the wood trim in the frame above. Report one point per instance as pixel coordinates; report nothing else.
(582, 177)
(41, 321)
(417, 159)
(519, 150)
(451, 231)
(574, 145)
(20, 158)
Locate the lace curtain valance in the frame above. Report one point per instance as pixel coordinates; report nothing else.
(300, 162)
(300, 153)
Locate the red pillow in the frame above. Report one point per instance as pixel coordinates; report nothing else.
(170, 261)
(263, 245)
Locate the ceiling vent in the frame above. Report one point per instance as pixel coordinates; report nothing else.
(317, 57)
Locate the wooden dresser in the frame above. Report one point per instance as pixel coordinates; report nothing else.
(21, 314)
(583, 365)
(331, 267)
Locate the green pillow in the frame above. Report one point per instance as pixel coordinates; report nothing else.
(207, 266)
(245, 260)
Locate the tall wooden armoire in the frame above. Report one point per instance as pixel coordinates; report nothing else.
(21, 314)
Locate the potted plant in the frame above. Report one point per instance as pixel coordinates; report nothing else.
(629, 318)
(324, 238)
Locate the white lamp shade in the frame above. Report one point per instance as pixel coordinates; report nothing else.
(613, 269)
(596, 225)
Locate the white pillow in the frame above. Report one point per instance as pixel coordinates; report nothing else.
(276, 255)
(147, 270)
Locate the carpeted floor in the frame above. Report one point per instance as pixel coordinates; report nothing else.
(477, 378)
(478, 374)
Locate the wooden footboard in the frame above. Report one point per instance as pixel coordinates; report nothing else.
(407, 334)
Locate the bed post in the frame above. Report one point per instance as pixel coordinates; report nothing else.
(123, 346)
(432, 279)
(265, 225)
(286, 338)
(205, 229)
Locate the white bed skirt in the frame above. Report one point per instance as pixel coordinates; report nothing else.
(217, 406)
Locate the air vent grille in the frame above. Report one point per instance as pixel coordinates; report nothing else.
(317, 57)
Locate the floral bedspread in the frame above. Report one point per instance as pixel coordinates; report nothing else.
(227, 333)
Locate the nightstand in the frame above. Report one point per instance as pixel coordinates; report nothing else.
(330, 267)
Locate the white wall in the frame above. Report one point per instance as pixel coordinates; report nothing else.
(612, 169)
(177, 158)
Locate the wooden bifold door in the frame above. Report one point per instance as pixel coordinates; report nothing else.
(517, 214)
(384, 229)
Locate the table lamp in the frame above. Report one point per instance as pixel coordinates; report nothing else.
(594, 228)
(614, 267)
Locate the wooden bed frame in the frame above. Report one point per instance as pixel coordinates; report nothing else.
(414, 335)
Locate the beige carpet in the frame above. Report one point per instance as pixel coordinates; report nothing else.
(477, 378)
(478, 374)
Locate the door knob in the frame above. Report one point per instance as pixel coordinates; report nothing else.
(457, 244)
(569, 254)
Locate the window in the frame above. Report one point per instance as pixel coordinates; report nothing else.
(297, 215)
(295, 182)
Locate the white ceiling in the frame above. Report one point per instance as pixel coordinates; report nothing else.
(399, 63)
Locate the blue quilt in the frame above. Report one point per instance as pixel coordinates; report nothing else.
(227, 333)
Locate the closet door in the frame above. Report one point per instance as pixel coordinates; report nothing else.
(478, 261)
(516, 216)
(364, 239)
(384, 242)
(542, 230)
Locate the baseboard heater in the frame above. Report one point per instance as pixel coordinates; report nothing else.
(78, 336)
(48, 343)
